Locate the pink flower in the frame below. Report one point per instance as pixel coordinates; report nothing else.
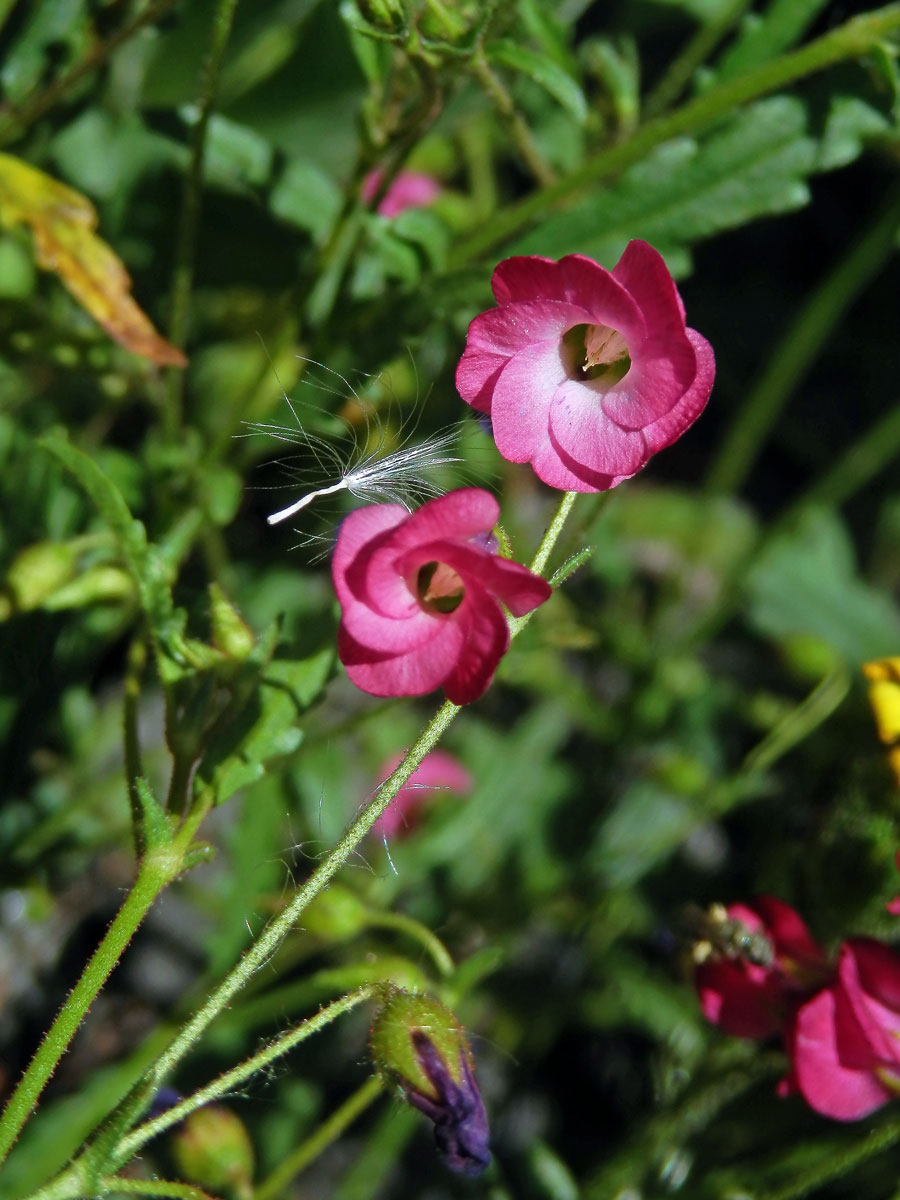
(845, 1041)
(437, 771)
(750, 998)
(411, 189)
(585, 372)
(421, 595)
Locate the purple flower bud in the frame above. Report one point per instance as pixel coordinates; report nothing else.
(460, 1122)
(419, 1046)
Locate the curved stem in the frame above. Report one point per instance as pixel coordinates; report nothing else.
(419, 932)
(851, 40)
(329, 1131)
(239, 1074)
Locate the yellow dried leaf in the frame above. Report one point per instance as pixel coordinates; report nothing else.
(63, 223)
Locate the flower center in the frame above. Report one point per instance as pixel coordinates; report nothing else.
(439, 587)
(598, 352)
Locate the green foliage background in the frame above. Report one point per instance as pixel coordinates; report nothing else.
(684, 722)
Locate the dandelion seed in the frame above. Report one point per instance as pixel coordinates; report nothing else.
(397, 477)
(366, 470)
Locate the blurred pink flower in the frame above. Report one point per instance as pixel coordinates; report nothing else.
(438, 771)
(845, 1041)
(421, 596)
(585, 373)
(411, 189)
(754, 999)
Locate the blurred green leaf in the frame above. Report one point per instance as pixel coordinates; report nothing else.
(755, 165)
(805, 582)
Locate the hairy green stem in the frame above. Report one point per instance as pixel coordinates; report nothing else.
(327, 1133)
(852, 40)
(153, 1187)
(539, 562)
(797, 350)
(241, 1073)
(156, 871)
(183, 276)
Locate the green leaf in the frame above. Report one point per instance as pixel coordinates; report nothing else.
(266, 726)
(805, 582)
(236, 155)
(544, 71)
(756, 165)
(308, 197)
(156, 832)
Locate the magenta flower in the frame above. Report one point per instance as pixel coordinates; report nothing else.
(755, 999)
(585, 373)
(438, 771)
(411, 189)
(421, 596)
(845, 1041)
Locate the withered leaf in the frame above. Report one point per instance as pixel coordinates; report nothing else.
(63, 223)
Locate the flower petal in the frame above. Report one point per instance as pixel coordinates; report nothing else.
(414, 672)
(486, 641)
(643, 273)
(828, 1086)
(581, 427)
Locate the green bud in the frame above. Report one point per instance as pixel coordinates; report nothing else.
(213, 1149)
(336, 915)
(231, 634)
(36, 572)
(387, 15)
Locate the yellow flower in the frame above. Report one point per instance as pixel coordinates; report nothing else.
(884, 696)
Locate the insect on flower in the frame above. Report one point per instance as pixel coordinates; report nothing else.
(366, 468)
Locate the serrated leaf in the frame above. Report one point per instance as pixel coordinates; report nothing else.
(156, 832)
(805, 582)
(544, 71)
(63, 223)
(756, 165)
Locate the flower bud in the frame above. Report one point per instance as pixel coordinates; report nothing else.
(231, 634)
(212, 1148)
(419, 1047)
(336, 914)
